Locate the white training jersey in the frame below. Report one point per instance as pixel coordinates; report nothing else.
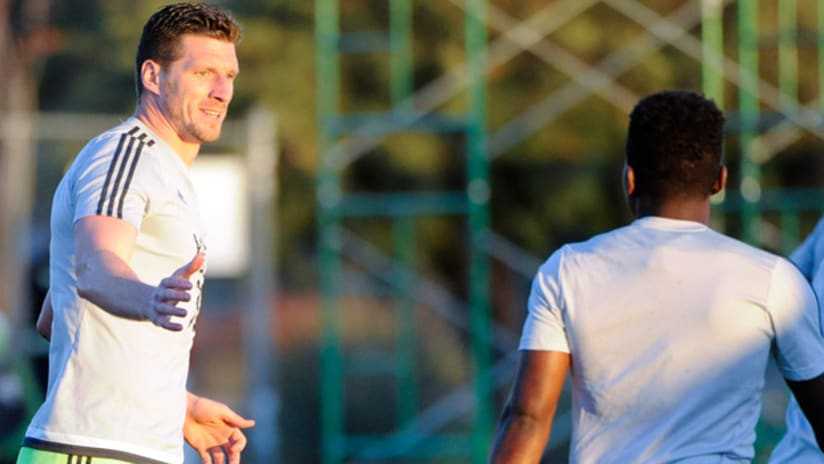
(117, 387)
(798, 445)
(670, 327)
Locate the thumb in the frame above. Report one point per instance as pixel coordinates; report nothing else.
(236, 420)
(191, 267)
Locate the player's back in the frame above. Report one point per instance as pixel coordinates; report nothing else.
(670, 327)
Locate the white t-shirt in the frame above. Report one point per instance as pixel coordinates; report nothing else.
(117, 387)
(670, 326)
(798, 444)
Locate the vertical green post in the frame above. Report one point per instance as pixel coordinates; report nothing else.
(405, 323)
(400, 51)
(788, 54)
(712, 57)
(749, 113)
(328, 196)
(478, 191)
(790, 227)
(400, 66)
(712, 51)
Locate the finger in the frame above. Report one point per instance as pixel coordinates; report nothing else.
(171, 296)
(191, 267)
(168, 317)
(167, 310)
(176, 281)
(204, 456)
(237, 442)
(169, 324)
(234, 456)
(218, 455)
(236, 420)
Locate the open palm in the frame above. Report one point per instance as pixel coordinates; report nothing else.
(214, 431)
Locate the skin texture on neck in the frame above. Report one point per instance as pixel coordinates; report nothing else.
(149, 114)
(688, 208)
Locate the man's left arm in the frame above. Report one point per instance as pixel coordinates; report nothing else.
(526, 421)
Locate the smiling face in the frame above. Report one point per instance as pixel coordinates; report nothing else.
(195, 89)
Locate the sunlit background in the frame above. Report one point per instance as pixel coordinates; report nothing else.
(392, 174)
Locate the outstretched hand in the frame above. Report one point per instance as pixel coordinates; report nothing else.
(214, 431)
(162, 309)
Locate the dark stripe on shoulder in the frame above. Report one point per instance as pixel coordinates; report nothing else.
(109, 174)
(122, 164)
(128, 181)
(144, 137)
(86, 451)
(116, 187)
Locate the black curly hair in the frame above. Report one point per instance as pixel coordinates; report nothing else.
(674, 144)
(160, 38)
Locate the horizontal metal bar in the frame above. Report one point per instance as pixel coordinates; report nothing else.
(394, 122)
(403, 204)
(808, 199)
(765, 120)
(363, 42)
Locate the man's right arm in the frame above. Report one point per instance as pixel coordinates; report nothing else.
(810, 397)
(527, 418)
(103, 247)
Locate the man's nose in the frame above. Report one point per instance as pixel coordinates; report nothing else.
(223, 89)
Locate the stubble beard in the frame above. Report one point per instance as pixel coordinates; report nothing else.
(203, 135)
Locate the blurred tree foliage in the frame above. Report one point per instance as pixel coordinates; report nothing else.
(559, 183)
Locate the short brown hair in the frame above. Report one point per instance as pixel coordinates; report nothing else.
(160, 38)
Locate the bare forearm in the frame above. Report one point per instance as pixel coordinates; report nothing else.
(527, 417)
(107, 281)
(521, 438)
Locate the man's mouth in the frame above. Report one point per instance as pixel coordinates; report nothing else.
(212, 113)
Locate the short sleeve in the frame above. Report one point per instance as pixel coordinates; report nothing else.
(796, 318)
(544, 328)
(809, 253)
(113, 183)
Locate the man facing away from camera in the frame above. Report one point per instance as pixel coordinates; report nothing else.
(799, 441)
(127, 262)
(665, 325)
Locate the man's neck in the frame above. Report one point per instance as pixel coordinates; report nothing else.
(687, 209)
(163, 128)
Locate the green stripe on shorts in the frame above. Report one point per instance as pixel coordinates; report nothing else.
(35, 456)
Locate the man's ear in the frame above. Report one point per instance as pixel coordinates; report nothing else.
(720, 181)
(629, 180)
(150, 76)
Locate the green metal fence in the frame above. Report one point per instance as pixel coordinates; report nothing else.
(345, 136)
(765, 116)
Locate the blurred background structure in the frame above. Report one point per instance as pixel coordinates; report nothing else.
(393, 173)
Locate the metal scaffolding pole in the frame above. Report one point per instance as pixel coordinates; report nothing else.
(479, 191)
(750, 186)
(327, 37)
